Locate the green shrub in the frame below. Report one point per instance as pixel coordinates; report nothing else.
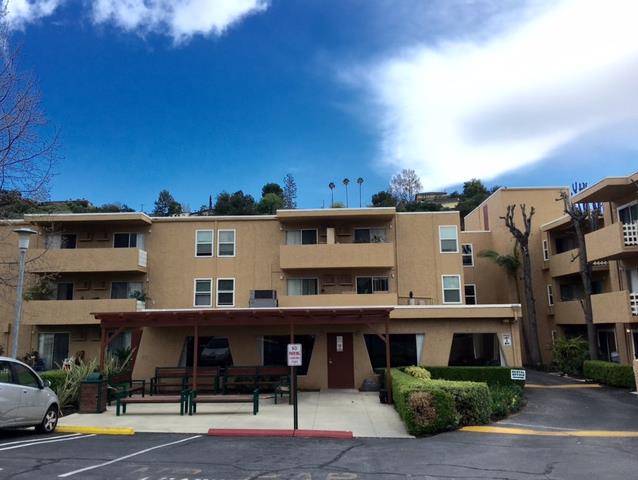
(471, 399)
(68, 391)
(424, 408)
(56, 377)
(569, 355)
(418, 372)
(489, 375)
(505, 400)
(609, 373)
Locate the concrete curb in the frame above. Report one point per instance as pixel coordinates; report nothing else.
(256, 432)
(545, 433)
(95, 430)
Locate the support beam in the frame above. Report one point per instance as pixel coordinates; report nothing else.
(388, 363)
(102, 347)
(195, 355)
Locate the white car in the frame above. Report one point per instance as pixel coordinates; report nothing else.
(25, 399)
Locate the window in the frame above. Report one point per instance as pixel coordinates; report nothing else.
(303, 286)
(128, 240)
(448, 235)
(367, 285)
(65, 291)
(607, 346)
(301, 237)
(5, 373)
(213, 352)
(545, 250)
(474, 349)
(68, 240)
(369, 235)
(53, 349)
(468, 255)
(121, 290)
(225, 292)
(204, 243)
(550, 295)
(23, 376)
(203, 292)
(405, 349)
(470, 294)
(451, 288)
(275, 347)
(226, 247)
(121, 344)
(628, 213)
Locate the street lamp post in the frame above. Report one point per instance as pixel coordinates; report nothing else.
(24, 235)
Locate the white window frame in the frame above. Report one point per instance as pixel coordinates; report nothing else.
(443, 289)
(129, 239)
(545, 250)
(465, 254)
(475, 293)
(195, 280)
(550, 295)
(212, 244)
(219, 242)
(218, 291)
(304, 278)
(456, 230)
(371, 277)
(301, 230)
(385, 234)
(621, 207)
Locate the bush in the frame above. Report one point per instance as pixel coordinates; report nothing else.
(489, 375)
(505, 400)
(609, 373)
(56, 377)
(471, 399)
(423, 407)
(569, 355)
(418, 372)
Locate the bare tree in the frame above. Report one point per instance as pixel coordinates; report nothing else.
(530, 324)
(405, 185)
(583, 217)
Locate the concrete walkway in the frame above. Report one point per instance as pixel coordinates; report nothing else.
(350, 410)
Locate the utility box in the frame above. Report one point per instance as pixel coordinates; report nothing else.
(93, 394)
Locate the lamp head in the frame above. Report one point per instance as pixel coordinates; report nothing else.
(23, 237)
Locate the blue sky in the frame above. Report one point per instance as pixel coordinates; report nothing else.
(198, 103)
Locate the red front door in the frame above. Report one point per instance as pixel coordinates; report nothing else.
(340, 360)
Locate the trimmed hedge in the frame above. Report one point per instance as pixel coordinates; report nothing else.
(506, 399)
(609, 373)
(423, 407)
(489, 375)
(56, 377)
(471, 399)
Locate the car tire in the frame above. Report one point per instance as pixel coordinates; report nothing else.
(49, 422)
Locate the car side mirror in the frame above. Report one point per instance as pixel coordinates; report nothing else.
(46, 384)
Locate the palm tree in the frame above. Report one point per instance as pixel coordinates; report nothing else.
(510, 263)
(360, 182)
(346, 181)
(332, 186)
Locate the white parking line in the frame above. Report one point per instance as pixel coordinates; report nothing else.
(43, 439)
(78, 437)
(119, 459)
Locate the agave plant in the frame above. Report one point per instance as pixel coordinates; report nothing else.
(69, 391)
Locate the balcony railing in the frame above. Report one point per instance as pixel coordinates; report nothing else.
(630, 234)
(75, 312)
(339, 255)
(633, 301)
(71, 260)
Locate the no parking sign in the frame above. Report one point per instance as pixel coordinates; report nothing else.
(294, 354)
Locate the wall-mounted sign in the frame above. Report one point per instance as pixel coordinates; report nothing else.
(507, 340)
(294, 354)
(339, 343)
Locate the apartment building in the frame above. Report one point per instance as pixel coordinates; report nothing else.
(337, 279)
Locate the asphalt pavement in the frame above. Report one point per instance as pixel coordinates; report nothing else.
(463, 455)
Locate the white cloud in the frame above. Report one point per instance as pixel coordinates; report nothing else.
(481, 108)
(180, 19)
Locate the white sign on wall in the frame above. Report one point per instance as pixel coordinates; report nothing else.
(507, 340)
(339, 343)
(518, 374)
(294, 354)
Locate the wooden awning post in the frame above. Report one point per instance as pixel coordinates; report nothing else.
(102, 347)
(388, 363)
(195, 356)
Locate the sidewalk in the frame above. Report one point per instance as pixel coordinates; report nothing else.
(350, 410)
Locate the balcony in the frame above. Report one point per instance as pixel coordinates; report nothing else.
(339, 255)
(338, 300)
(74, 312)
(567, 263)
(74, 260)
(613, 242)
(611, 307)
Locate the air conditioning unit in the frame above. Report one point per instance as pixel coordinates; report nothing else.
(263, 299)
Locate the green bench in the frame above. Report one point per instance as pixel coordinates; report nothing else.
(175, 379)
(183, 399)
(194, 398)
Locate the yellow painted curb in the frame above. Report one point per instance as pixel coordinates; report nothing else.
(543, 433)
(95, 430)
(567, 385)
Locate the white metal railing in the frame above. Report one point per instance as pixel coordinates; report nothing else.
(600, 263)
(633, 301)
(142, 257)
(630, 234)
